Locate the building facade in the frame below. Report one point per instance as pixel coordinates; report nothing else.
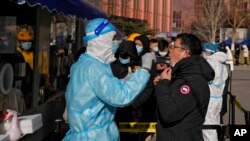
(183, 15)
(157, 13)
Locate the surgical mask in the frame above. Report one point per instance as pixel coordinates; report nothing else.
(115, 46)
(26, 45)
(155, 49)
(124, 61)
(162, 53)
(6, 43)
(139, 49)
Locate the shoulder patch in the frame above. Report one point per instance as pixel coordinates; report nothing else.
(185, 89)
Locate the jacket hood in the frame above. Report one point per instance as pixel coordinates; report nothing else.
(127, 48)
(145, 42)
(193, 65)
(219, 56)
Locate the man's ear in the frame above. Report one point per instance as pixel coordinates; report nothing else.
(186, 53)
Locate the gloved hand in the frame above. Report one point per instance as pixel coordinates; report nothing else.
(147, 60)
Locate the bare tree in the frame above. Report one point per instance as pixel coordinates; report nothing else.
(213, 17)
(239, 12)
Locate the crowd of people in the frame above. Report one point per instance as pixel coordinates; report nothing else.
(178, 84)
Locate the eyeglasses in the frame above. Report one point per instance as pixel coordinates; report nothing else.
(174, 46)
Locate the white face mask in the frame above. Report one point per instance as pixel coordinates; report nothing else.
(155, 49)
(163, 53)
(26, 45)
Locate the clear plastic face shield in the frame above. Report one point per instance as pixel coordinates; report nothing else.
(115, 44)
(99, 36)
(102, 28)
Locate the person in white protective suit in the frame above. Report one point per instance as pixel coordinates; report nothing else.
(230, 61)
(93, 93)
(217, 61)
(245, 54)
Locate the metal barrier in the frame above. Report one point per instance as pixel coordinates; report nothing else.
(150, 127)
(138, 127)
(221, 128)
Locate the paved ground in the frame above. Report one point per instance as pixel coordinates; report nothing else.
(241, 89)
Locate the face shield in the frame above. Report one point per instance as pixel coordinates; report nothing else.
(97, 27)
(99, 36)
(209, 47)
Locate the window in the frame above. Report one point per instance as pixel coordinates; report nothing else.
(177, 19)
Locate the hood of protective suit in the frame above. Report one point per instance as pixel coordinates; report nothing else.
(221, 57)
(101, 47)
(216, 86)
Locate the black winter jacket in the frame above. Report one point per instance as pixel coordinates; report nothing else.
(182, 102)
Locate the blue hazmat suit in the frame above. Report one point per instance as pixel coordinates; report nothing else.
(93, 93)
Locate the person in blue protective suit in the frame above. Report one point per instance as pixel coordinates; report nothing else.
(217, 60)
(93, 93)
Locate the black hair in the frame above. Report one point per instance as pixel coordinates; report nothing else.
(153, 40)
(145, 42)
(126, 49)
(162, 44)
(191, 42)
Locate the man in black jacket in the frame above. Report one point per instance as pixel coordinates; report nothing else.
(182, 92)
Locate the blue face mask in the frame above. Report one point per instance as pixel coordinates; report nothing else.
(163, 53)
(124, 61)
(115, 46)
(26, 45)
(139, 49)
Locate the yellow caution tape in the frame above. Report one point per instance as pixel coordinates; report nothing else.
(237, 104)
(147, 127)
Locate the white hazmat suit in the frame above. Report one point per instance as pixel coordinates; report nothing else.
(217, 61)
